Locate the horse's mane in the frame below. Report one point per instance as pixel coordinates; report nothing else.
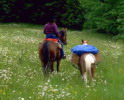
(61, 33)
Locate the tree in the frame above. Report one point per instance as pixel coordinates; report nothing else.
(105, 16)
(67, 12)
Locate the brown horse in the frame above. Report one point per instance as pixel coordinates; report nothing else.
(49, 52)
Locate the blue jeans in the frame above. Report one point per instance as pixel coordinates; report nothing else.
(53, 36)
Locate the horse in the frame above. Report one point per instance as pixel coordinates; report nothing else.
(86, 63)
(87, 66)
(49, 52)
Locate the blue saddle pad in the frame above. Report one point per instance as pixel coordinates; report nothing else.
(80, 49)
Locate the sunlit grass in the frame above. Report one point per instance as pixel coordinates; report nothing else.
(21, 76)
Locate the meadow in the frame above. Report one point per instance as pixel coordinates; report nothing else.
(21, 76)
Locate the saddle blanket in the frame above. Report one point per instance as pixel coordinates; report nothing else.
(81, 49)
(50, 39)
(53, 40)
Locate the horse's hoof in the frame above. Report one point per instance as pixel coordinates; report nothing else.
(64, 57)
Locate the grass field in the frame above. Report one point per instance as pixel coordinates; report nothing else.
(21, 76)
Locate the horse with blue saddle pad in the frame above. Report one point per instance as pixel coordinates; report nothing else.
(85, 57)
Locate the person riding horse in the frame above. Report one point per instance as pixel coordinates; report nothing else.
(51, 31)
(50, 49)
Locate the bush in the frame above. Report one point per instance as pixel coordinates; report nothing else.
(106, 16)
(68, 12)
(74, 16)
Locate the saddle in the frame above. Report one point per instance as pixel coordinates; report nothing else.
(52, 40)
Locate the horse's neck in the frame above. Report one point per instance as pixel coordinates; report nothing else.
(61, 32)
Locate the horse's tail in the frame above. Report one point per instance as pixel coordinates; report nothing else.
(89, 60)
(46, 55)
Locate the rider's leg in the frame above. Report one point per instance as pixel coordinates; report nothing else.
(61, 50)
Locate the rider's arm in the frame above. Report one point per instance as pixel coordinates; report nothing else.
(56, 30)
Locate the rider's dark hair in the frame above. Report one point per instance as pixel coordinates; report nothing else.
(51, 20)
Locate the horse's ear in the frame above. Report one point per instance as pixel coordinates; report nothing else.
(65, 28)
(82, 41)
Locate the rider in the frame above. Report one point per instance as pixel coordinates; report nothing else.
(51, 31)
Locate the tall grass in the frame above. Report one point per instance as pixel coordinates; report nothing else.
(21, 76)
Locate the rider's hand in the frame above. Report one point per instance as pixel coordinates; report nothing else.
(59, 35)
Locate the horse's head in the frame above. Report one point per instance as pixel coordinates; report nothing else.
(84, 42)
(63, 36)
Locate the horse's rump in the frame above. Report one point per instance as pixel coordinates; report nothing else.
(53, 50)
(75, 58)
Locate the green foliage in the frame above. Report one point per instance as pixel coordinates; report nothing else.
(119, 37)
(74, 16)
(105, 16)
(6, 10)
(38, 11)
(120, 18)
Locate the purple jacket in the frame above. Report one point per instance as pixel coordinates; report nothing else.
(50, 28)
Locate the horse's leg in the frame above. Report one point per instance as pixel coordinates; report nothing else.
(80, 69)
(51, 66)
(84, 74)
(44, 69)
(83, 71)
(58, 64)
(93, 68)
